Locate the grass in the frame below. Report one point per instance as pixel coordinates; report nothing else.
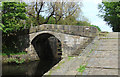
(69, 58)
(91, 51)
(19, 53)
(81, 68)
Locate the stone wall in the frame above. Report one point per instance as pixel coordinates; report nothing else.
(85, 31)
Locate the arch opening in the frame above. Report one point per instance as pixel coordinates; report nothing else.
(47, 46)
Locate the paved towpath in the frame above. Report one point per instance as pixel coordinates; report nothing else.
(104, 60)
(100, 58)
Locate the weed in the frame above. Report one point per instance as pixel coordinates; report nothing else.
(91, 51)
(81, 68)
(69, 58)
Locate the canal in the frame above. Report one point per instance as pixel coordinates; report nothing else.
(31, 69)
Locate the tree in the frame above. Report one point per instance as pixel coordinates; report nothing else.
(13, 16)
(111, 14)
(56, 10)
(65, 10)
(13, 21)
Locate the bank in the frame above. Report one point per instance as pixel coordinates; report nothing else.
(19, 59)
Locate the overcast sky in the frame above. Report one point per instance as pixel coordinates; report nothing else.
(90, 10)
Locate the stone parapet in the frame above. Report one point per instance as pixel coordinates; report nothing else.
(85, 31)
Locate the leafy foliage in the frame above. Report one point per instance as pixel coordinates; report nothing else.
(13, 14)
(13, 21)
(111, 14)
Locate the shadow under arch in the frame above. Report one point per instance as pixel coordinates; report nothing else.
(47, 46)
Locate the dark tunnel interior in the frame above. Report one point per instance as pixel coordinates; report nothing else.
(47, 46)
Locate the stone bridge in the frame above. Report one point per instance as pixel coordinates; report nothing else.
(50, 41)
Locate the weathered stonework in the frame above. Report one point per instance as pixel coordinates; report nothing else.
(70, 43)
(86, 31)
(72, 38)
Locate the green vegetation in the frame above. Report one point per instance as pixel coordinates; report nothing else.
(70, 57)
(81, 68)
(110, 11)
(9, 53)
(13, 16)
(91, 51)
(17, 61)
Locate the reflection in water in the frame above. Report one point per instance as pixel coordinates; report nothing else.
(32, 69)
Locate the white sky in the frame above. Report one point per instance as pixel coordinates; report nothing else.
(90, 11)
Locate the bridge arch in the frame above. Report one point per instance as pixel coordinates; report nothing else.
(47, 46)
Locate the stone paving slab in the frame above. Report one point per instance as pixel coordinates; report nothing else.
(113, 41)
(100, 71)
(104, 44)
(103, 62)
(105, 54)
(108, 49)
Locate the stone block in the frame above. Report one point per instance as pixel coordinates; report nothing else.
(81, 30)
(71, 30)
(41, 27)
(61, 28)
(86, 30)
(50, 27)
(66, 29)
(46, 27)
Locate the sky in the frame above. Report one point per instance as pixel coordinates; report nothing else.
(90, 10)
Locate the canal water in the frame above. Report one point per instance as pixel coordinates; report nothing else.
(31, 69)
